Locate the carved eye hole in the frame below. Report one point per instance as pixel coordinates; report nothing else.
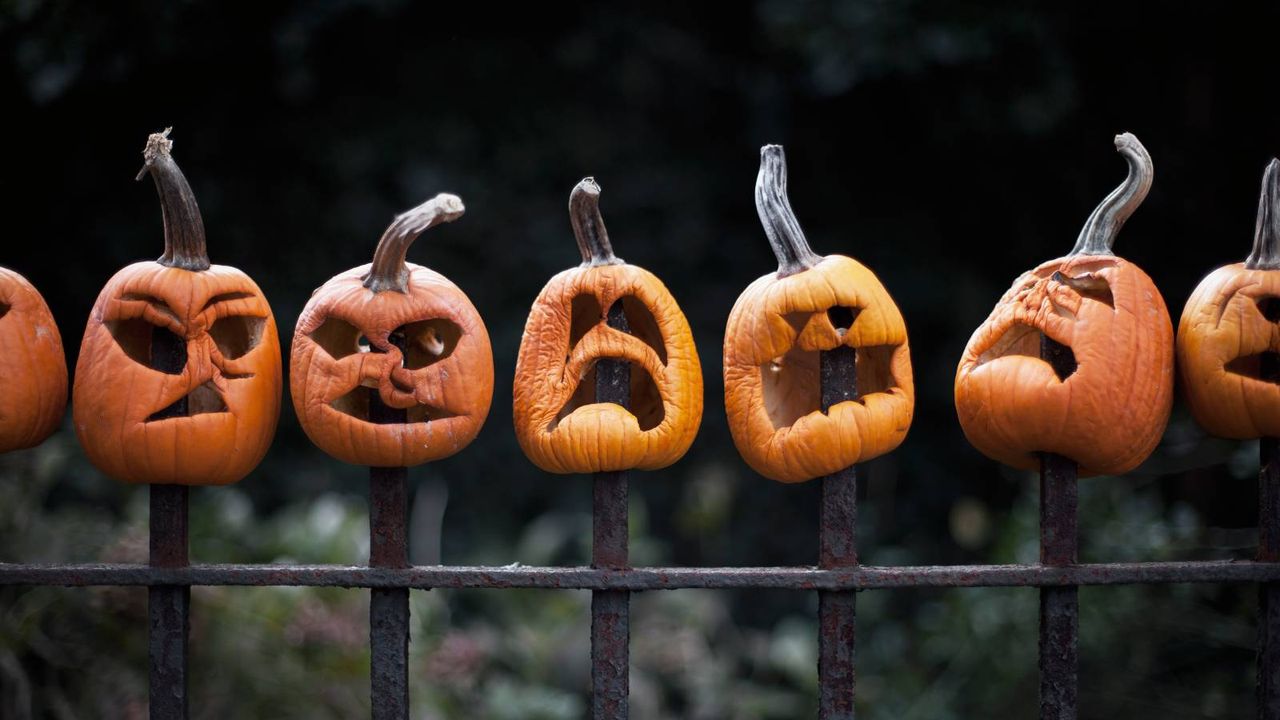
(1270, 308)
(842, 317)
(4, 309)
(137, 338)
(585, 313)
(339, 338)
(1088, 285)
(236, 335)
(427, 342)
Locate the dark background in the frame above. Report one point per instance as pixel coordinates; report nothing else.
(949, 147)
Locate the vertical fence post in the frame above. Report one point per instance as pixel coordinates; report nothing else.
(388, 548)
(1269, 551)
(169, 606)
(610, 609)
(837, 548)
(1059, 606)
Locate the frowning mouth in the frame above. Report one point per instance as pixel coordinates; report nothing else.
(357, 402)
(204, 399)
(645, 402)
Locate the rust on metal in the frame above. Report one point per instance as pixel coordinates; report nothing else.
(1059, 606)
(388, 548)
(169, 606)
(610, 609)
(837, 548)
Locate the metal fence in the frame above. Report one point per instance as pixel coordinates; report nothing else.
(837, 579)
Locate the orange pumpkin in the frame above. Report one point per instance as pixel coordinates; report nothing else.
(392, 337)
(1228, 339)
(33, 371)
(558, 422)
(178, 379)
(1109, 413)
(776, 332)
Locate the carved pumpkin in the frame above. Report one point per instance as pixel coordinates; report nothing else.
(558, 422)
(33, 370)
(391, 364)
(1229, 340)
(1109, 413)
(776, 332)
(178, 379)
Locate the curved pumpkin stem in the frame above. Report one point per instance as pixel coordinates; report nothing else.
(389, 271)
(1100, 230)
(588, 225)
(780, 224)
(183, 227)
(1266, 234)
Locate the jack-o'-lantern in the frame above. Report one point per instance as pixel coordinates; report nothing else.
(1105, 402)
(1229, 336)
(33, 370)
(773, 341)
(178, 379)
(559, 423)
(391, 364)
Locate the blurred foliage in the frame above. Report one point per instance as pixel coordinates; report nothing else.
(947, 145)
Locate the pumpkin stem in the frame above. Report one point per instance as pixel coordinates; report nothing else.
(389, 271)
(1100, 230)
(780, 223)
(588, 225)
(1266, 234)
(183, 227)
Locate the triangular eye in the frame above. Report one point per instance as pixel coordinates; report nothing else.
(4, 309)
(1269, 306)
(236, 335)
(136, 337)
(337, 337)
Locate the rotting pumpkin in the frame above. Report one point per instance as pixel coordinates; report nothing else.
(773, 340)
(391, 364)
(1229, 339)
(178, 379)
(560, 425)
(1109, 405)
(33, 371)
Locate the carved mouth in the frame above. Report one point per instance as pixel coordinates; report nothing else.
(792, 386)
(645, 402)
(204, 399)
(1021, 339)
(356, 403)
(1263, 366)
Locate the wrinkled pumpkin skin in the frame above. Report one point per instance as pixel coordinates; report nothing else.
(446, 399)
(1223, 326)
(773, 399)
(33, 371)
(116, 391)
(1110, 413)
(603, 437)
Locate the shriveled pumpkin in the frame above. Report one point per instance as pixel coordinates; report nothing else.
(1229, 336)
(1109, 406)
(178, 379)
(559, 423)
(776, 333)
(391, 364)
(33, 370)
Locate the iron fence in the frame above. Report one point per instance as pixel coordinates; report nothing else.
(837, 579)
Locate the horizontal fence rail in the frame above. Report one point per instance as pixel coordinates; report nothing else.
(862, 577)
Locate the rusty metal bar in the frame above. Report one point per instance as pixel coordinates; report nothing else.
(388, 548)
(169, 606)
(837, 548)
(611, 609)
(1268, 689)
(804, 579)
(1059, 606)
